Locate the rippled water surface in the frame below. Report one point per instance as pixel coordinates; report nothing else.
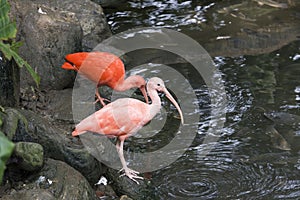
(255, 45)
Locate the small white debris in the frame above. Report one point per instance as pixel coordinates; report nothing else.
(41, 179)
(297, 89)
(49, 181)
(296, 57)
(297, 165)
(41, 11)
(102, 180)
(223, 37)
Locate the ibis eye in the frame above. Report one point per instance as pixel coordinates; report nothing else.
(158, 84)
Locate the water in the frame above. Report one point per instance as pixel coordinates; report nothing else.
(257, 51)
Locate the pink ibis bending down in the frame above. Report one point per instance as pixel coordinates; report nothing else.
(104, 68)
(124, 117)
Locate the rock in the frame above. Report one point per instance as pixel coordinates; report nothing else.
(105, 192)
(258, 30)
(56, 180)
(277, 139)
(52, 29)
(30, 127)
(11, 122)
(61, 110)
(283, 118)
(30, 194)
(90, 16)
(30, 154)
(123, 185)
(110, 3)
(66, 181)
(47, 39)
(9, 82)
(125, 197)
(58, 146)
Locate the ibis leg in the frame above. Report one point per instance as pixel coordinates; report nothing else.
(132, 174)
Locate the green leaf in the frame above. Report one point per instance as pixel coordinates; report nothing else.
(16, 45)
(9, 53)
(6, 50)
(8, 29)
(22, 62)
(6, 149)
(4, 7)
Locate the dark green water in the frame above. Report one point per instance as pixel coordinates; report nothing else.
(256, 48)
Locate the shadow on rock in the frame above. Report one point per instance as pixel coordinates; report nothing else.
(56, 180)
(26, 126)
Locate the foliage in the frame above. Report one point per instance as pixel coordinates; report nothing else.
(6, 149)
(8, 31)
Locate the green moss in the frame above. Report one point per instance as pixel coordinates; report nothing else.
(32, 155)
(11, 119)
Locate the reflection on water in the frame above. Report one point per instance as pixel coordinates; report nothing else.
(219, 176)
(227, 28)
(254, 45)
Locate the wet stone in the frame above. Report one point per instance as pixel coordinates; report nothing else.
(27, 126)
(29, 194)
(125, 197)
(58, 146)
(277, 139)
(52, 29)
(9, 82)
(31, 155)
(12, 122)
(56, 180)
(105, 192)
(124, 186)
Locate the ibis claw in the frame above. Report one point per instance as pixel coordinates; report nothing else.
(101, 100)
(132, 174)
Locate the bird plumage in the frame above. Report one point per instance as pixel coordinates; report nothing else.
(124, 117)
(104, 68)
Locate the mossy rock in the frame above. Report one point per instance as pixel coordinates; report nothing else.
(11, 120)
(31, 155)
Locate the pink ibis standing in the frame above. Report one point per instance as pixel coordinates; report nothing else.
(124, 117)
(104, 68)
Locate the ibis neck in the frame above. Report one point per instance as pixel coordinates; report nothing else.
(124, 84)
(156, 102)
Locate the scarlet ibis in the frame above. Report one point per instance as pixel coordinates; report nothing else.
(124, 117)
(104, 68)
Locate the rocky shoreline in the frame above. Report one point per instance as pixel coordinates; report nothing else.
(48, 163)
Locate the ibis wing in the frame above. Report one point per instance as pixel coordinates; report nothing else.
(103, 68)
(124, 116)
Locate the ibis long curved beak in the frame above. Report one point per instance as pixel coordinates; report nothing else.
(74, 60)
(68, 66)
(169, 96)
